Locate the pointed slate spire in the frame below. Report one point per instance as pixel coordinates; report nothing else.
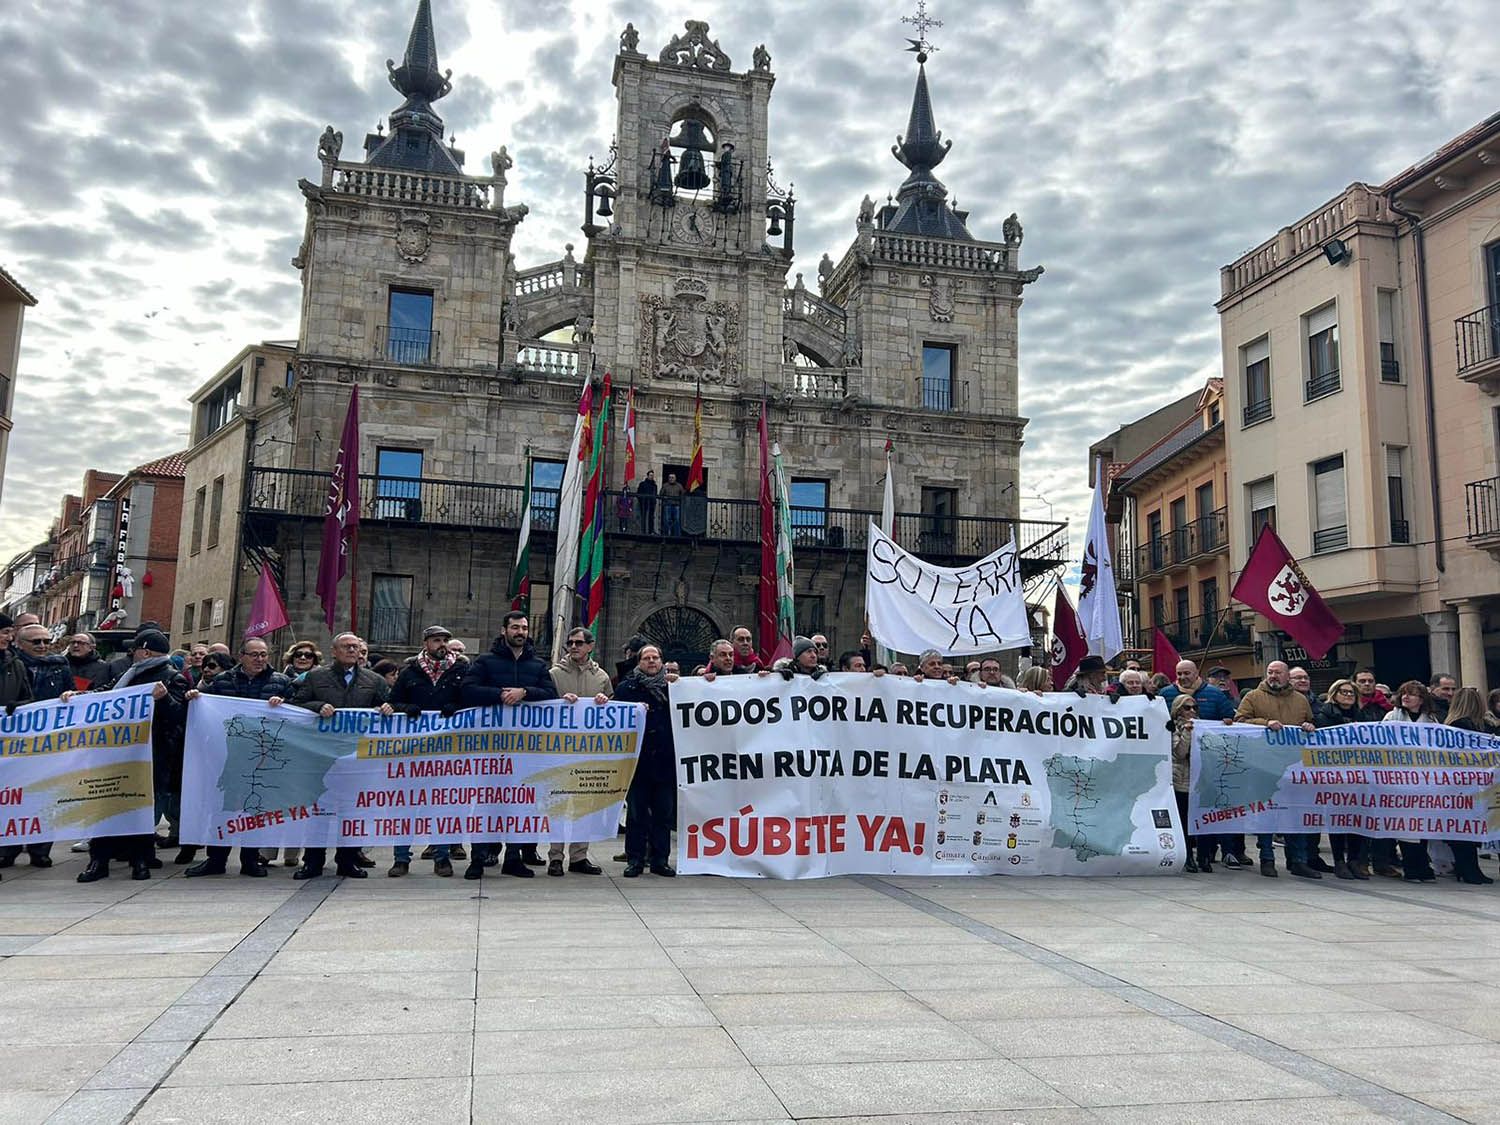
(922, 205)
(416, 137)
(418, 75)
(923, 146)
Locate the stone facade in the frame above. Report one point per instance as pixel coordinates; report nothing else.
(14, 301)
(682, 293)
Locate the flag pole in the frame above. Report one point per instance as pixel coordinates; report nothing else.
(1212, 634)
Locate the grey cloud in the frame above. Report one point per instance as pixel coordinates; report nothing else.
(1143, 144)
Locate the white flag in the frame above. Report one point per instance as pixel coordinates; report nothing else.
(1098, 608)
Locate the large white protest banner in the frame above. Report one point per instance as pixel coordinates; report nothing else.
(858, 774)
(263, 776)
(913, 605)
(1391, 780)
(81, 768)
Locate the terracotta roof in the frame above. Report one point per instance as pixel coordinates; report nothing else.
(174, 465)
(9, 279)
(1431, 161)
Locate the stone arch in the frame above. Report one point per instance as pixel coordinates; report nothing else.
(816, 341)
(720, 119)
(684, 632)
(550, 309)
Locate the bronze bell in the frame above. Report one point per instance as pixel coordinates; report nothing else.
(604, 193)
(691, 172)
(774, 212)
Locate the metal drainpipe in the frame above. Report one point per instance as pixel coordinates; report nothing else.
(1432, 457)
(251, 426)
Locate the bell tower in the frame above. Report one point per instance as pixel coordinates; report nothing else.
(688, 239)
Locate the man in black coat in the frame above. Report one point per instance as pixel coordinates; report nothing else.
(510, 673)
(252, 678)
(345, 683)
(49, 677)
(428, 682)
(89, 672)
(150, 665)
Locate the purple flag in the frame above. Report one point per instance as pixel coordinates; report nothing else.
(341, 516)
(267, 611)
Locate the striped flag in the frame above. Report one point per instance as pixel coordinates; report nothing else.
(569, 502)
(630, 435)
(591, 540)
(786, 619)
(520, 577)
(695, 470)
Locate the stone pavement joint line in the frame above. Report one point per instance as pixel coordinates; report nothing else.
(1369, 1094)
(120, 1087)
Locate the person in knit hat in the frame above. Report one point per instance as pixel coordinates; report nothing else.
(802, 662)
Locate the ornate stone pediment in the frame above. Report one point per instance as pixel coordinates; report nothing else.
(693, 48)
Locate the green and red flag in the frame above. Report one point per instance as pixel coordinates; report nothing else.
(520, 577)
(591, 541)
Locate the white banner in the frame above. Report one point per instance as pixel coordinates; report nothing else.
(859, 774)
(1412, 781)
(77, 769)
(261, 776)
(913, 605)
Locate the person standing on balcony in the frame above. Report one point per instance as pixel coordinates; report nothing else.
(646, 493)
(671, 506)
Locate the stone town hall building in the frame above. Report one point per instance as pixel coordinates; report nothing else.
(465, 363)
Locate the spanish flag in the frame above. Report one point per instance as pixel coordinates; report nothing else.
(695, 470)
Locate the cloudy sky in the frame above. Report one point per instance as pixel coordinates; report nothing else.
(150, 201)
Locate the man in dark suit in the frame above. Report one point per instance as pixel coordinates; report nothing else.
(345, 683)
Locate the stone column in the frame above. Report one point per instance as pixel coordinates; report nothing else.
(1471, 671)
(1442, 641)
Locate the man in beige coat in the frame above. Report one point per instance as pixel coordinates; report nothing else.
(577, 677)
(1276, 704)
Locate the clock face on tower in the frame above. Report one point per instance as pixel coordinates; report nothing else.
(696, 225)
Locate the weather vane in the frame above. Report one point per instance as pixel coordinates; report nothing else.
(922, 22)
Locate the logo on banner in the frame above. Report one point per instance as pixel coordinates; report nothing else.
(1287, 592)
(1167, 840)
(1161, 818)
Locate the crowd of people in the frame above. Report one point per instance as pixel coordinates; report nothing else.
(1285, 698)
(443, 677)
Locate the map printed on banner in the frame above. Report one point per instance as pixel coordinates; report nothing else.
(262, 776)
(1388, 780)
(858, 774)
(81, 768)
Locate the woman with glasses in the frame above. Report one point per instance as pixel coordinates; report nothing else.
(1200, 849)
(1351, 851)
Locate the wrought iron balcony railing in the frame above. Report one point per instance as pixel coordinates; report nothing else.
(1203, 536)
(429, 502)
(1477, 337)
(414, 347)
(1482, 507)
(1191, 634)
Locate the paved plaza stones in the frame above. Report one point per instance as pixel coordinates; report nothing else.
(1225, 997)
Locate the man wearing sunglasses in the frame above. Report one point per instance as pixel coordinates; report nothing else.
(50, 676)
(577, 677)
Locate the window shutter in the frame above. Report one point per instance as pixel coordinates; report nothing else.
(1257, 351)
(1328, 490)
(1393, 461)
(1322, 320)
(1263, 494)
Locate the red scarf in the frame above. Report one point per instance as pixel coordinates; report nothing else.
(434, 668)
